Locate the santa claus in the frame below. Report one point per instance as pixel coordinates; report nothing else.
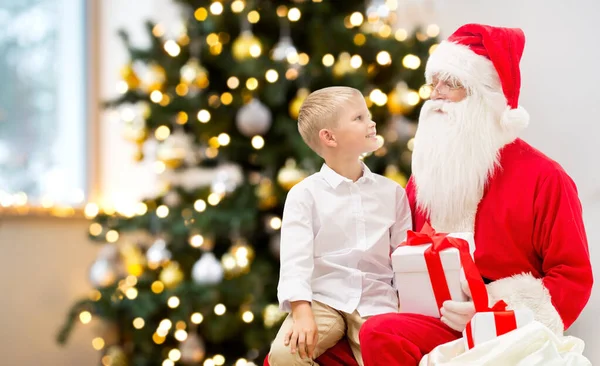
(471, 172)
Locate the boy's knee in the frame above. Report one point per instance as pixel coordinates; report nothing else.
(281, 354)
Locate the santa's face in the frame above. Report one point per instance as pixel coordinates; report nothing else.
(455, 151)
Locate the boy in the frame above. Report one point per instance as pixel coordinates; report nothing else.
(339, 227)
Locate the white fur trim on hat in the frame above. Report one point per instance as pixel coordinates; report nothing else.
(515, 120)
(524, 290)
(473, 70)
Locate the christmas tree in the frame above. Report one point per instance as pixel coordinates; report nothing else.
(190, 276)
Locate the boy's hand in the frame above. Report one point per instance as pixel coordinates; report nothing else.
(303, 335)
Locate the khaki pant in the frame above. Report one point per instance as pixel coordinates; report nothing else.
(332, 325)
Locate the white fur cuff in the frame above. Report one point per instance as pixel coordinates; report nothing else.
(526, 291)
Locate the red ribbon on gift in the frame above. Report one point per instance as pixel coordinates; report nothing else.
(505, 321)
(439, 242)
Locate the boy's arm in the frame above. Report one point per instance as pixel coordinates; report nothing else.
(403, 219)
(296, 249)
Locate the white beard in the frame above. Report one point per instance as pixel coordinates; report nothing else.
(454, 155)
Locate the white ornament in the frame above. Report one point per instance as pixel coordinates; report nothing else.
(253, 119)
(103, 272)
(158, 253)
(226, 179)
(283, 49)
(207, 270)
(174, 149)
(172, 199)
(192, 349)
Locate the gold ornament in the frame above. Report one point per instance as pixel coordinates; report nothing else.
(153, 78)
(130, 77)
(296, 103)
(171, 275)
(290, 175)
(343, 65)
(174, 150)
(397, 102)
(242, 46)
(192, 73)
(117, 356)
(392, 172)
(133, 259)
(266, 195)
(192, 349)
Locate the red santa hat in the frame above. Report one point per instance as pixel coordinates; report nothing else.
(481, 55)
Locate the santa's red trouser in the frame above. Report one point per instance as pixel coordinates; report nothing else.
(402, 339)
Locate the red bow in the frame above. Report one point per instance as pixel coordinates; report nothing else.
(439, 242)
(505, 321)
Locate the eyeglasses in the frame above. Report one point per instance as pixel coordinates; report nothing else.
(443, 87)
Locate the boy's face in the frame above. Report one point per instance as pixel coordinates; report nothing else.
(355, 133)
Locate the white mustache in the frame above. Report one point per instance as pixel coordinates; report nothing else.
(438, 105)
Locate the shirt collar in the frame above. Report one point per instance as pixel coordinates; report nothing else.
(334, 179)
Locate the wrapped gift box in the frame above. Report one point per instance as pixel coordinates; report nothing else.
(486, 326)
(412, 279)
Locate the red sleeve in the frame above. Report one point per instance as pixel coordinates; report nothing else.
(560, 240)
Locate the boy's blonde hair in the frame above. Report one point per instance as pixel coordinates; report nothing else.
(320, 110)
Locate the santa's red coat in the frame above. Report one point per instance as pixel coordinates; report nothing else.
(530, 240)
(529, 221)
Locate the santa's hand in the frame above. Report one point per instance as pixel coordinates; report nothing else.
(456, 314)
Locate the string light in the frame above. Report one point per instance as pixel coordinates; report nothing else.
(216, 8)
(162, 211)
(220, 309)
(294, 14)
(233, 82)
(271, 76)
(275, 223)
(196, 241)
(200, 205)
(175, 354)
(200, 14)
(384, 58)
(247, 316)
(156, 96)
(203, 116)
(162, 132)
(168, 362)
(85, 317)
(91, 210)
(223, 139)
(214, 199)
(237, 6)
(219, 360)
(157, 287)
(95, 229)
(172, 48)
(253, 17)
(401, 35)
(257, 142)
(173, 302)
(252, 83)
(411, 62)
(138, 323)
(433, 30)
(328, 60)
(196, 318)
(181, 335)
(98, 343)
(112, 236)
(356, 19)
(131, 293)
(241, 362)
(356, 61)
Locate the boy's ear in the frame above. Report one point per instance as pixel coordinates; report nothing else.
(327, 138)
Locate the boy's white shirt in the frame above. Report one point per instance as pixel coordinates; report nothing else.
(336, 240)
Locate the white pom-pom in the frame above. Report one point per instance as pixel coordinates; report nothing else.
(515, 120)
